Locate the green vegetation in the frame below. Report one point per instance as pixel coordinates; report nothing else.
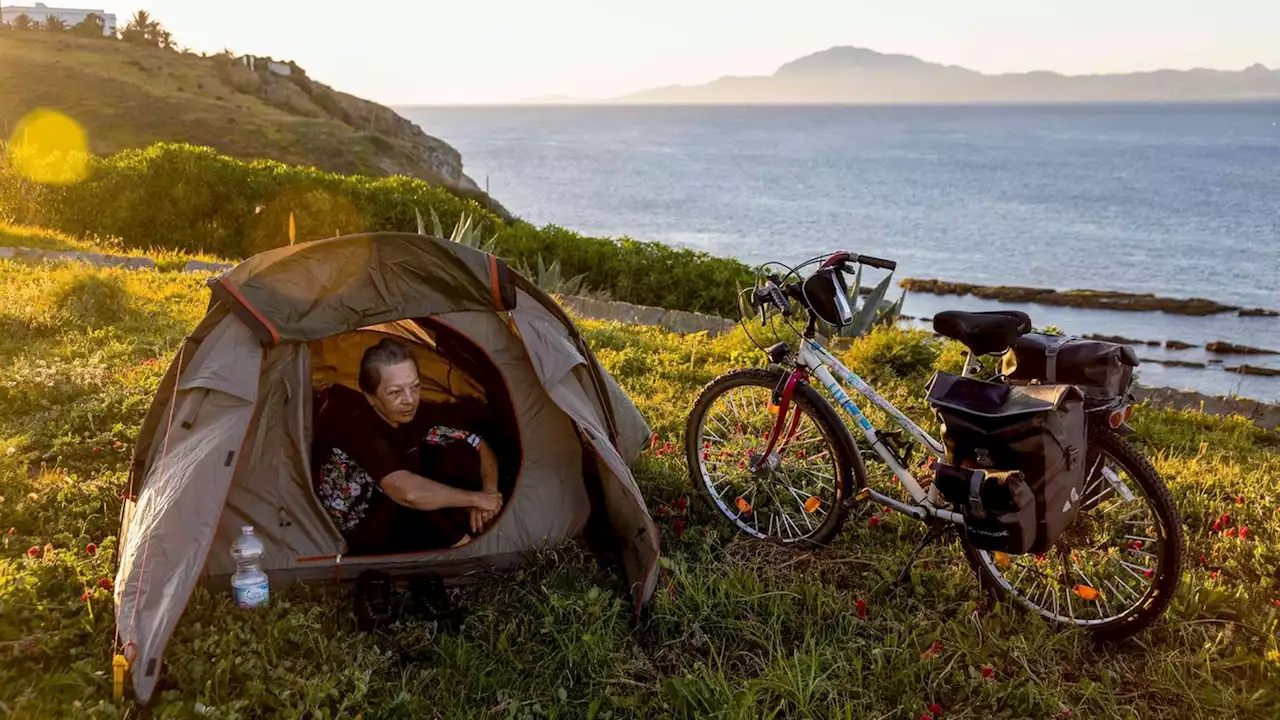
(736, 629)
(194, 199)
(130, 93)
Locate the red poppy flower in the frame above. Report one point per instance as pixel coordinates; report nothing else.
(91, 548)
(682, 503)
(988, 671)
(33, 552)
(97, 450)
(1231, 532)
(84, 596)
(926, 716)
(1137, 544)
(13, 531)
(936, 709)
(1225, 519)
(1148, 572)
(1217, 525)
(874, 521)
(1276, 603)
(1202, 560)
(679, 526)
(1214, 574)
(105, 583)
(662, 510)
(1239, 499)
(861, 606)
(1244, 531)
(932, 652)
(116, 444)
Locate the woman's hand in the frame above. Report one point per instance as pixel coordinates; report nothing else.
(484, 509)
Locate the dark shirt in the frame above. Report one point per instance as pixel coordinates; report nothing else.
(432, 444)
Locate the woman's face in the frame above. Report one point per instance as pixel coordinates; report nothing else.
(398, 393)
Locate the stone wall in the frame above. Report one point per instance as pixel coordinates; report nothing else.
(1262, 414)
(674, 320)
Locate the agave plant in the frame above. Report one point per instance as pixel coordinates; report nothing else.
(875, 310)
(467, 231)
(551, 279)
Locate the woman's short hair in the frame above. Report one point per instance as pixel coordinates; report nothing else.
(386, 353)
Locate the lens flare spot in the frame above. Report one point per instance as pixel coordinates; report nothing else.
(49, 147)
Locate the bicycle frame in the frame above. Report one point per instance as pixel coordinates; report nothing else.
(815, 359)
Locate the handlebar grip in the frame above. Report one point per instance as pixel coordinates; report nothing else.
(876, 262)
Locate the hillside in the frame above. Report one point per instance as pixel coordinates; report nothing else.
(857, 75)
(127, 96)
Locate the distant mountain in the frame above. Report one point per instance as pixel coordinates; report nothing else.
(858, 75)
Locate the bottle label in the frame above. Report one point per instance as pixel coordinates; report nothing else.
(251, 596)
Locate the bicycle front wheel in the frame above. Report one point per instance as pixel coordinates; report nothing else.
(1115, 568)
(795, 495)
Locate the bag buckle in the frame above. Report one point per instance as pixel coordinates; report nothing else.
(976, 508)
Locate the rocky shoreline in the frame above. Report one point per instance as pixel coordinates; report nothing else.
(1092, 299)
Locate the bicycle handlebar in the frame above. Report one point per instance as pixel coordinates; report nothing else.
(844, 256)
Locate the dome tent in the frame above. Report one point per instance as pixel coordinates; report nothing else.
(226, 441)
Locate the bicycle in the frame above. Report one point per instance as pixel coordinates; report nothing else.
(792, 474)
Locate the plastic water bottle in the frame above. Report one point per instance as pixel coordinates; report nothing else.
(249, 583)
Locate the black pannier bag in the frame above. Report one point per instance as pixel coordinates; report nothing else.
(1100, 368)
(828, 294)
(999, 507)
(1037, 430)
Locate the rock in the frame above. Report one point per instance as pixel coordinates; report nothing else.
(1116, 339)
(1258, 312)
(1177, 345)
(1224, 348)
(1254, 370)
(1175, 363)
(1099, 299)
(201, 266)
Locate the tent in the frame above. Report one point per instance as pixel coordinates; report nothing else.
(226, 442)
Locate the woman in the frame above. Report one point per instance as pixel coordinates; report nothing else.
(393, 475)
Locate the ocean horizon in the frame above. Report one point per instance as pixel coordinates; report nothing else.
(1173, 199)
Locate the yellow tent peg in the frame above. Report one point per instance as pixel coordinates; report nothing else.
(119, 668)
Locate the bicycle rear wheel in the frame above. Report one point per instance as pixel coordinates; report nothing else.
(798, 493)
(1115, 568)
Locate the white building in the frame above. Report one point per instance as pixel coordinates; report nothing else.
(71, 16)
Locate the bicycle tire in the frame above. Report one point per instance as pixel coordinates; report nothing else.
(848, 459)
(1172, 547)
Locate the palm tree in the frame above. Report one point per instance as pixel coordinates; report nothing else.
(139, 29)
(92, 26)
(22, 22)
(53, 23)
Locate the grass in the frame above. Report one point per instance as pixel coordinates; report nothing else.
(736, 629)
(126, 96)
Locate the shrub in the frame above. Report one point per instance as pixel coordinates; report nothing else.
(193, 199)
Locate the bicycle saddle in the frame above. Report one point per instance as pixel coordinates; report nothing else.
(984, 333)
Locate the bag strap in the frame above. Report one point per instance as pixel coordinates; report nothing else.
(976, 507)
(1051, 358)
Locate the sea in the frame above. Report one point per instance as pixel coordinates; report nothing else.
(1179, 200)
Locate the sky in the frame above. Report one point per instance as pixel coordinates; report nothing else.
(407, 52)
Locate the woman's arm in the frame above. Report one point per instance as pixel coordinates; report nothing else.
(413, 490)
